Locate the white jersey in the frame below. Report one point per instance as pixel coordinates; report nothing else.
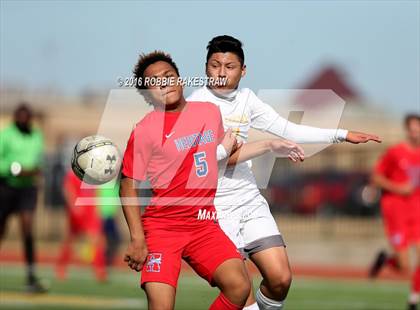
(241, 111)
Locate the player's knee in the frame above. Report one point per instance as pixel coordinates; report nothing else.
(403, 266)
(280, 282)
(159, 296)
(242, 291)
(159, 306)
(237, 290)
(404, 269)
(156, 303)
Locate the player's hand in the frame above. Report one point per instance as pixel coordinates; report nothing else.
(405, 189)
(136, 254)
(236, 145)
(360, 137)
(230, 143)
(288, 148)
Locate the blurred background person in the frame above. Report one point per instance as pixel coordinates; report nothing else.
(83, 221)
(398, 175)
(109, 204)
(21, 151)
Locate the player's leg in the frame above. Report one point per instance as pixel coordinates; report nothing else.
(401, 238)
(26, 225)
(26, 205)
(3, 223)
(277, 275)
(92, 226)
(160, 296)
(396, 232)
(251, 302)
(414, 297)
(398, 260)
(7, 207)
(230, 222)
(96, 241)
(74, 229)
(4, 216)
(383, 258)
(266, 248)
(64, 256)
(161, 269)
(403, 259)
(413, 230)
(112, 237)
(215, 258)
(232, 280)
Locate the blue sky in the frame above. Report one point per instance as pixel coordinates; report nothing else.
(74, 45)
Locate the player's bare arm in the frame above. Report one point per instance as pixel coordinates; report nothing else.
(254, 149)
(390, 186)
(136, 252)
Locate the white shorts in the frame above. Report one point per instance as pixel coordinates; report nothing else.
(250, 226)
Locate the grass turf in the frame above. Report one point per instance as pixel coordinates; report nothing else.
(81, 291)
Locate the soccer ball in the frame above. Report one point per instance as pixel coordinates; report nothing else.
(96, 160)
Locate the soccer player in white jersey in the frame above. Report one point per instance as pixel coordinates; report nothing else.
(243, 213)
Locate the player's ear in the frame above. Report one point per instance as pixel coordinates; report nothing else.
(205, 68)
(243, 71)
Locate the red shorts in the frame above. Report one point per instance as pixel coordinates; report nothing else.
(84, 219)
(402, 224)
(204, 248)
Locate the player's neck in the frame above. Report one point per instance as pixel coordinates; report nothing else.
(229, 96)
(412, 144)
(175, 107)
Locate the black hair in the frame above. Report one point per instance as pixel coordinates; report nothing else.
(146, 60)
(224, 44)
(411, 117)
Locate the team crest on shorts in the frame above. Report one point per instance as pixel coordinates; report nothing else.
(153, 262)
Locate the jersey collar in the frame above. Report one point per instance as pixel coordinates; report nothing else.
(228, 97)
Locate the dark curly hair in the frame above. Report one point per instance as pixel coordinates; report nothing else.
(146, 60)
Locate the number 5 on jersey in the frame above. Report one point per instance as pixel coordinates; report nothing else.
(200, 162)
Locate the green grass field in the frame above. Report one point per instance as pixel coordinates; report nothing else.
(80, 291)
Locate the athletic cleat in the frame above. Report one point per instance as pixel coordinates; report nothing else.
(378, 264)
(36, 287)
(412, 307)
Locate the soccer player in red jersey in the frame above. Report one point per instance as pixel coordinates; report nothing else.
(175, 148)
(84, 221)
(398, 175)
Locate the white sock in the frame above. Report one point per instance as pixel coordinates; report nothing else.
(413, 299)
(266, 303)
(254, 306)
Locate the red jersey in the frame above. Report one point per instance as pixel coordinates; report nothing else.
(84, 193)
(82, 212)
(401, 164)
(176, 152)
